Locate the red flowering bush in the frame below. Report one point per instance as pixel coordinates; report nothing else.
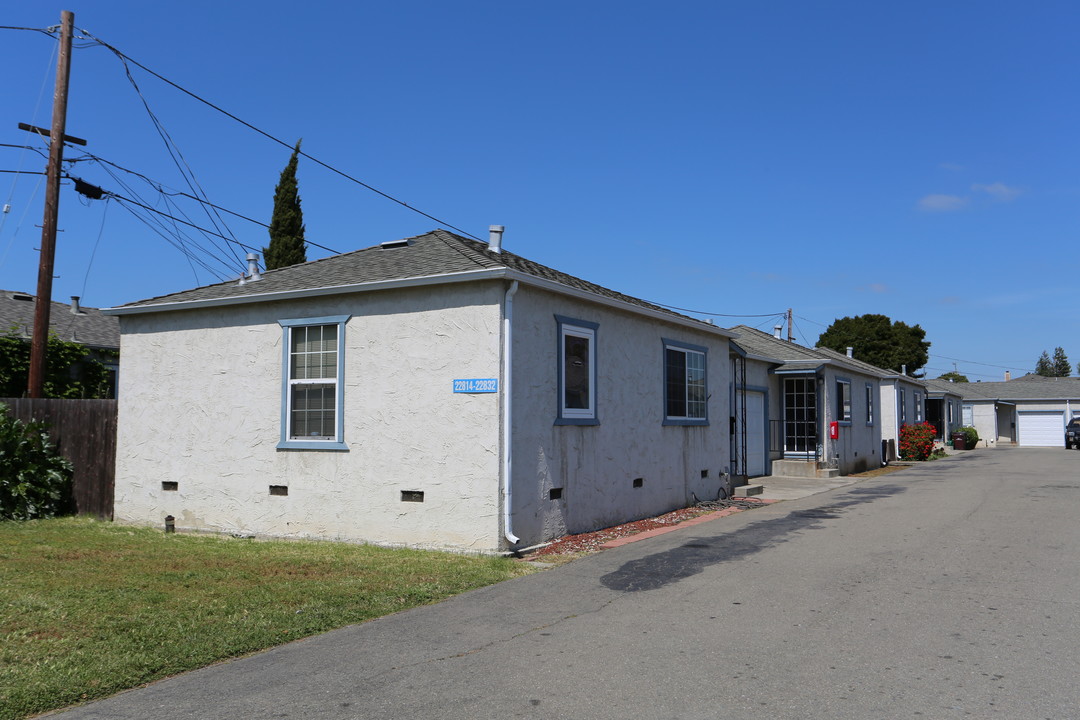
(917, 441)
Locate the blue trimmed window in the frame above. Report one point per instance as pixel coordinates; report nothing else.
(843, 400)
(312, 388)
(685, 384)
(577, 372)
(903, 406)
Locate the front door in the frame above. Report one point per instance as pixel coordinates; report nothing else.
(800, 417)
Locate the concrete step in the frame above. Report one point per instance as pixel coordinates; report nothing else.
(803, 468)
(749, 490)
(794, 468)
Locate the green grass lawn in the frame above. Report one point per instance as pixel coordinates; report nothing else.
(89, 608)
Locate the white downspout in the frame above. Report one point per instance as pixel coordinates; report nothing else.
(507, 388)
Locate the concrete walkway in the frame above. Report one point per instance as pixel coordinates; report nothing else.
(778, 487)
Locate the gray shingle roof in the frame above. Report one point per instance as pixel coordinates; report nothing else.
(90, 327)
(432, 254)
(793, 356)
(943, 387)
(1027, 387)
(867, 367)
(756, 342)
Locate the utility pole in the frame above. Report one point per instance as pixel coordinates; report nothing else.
(790, 327)
(43, 301)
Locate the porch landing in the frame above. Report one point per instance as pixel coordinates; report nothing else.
(803, 469)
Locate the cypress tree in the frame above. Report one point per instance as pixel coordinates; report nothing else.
(287, 223)
(1062, 368)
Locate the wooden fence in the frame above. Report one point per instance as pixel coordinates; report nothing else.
(83, 431)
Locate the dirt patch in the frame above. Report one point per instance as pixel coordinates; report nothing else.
(569, 547)
(878, 472)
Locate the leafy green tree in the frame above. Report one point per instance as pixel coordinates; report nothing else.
(287, 223)
(878, 340)
(35, 481)
(1057, 367)
(953, 376)
(70, 372)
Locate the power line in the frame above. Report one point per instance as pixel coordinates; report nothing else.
(715, 314)
(178, 158)
(44, 31)
(123, 199)
(943, 357)
(125, 59)
(218, 253)
(174, 241)
(160, 187)
(973, 362)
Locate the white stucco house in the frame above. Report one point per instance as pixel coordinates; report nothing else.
(435, 391)
(902, 400)
(798, 393)
(944, 404)
(1029, 411)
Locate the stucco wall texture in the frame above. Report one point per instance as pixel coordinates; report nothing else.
(201, 396)
(200, 406)
(859, 446)
(596, 466)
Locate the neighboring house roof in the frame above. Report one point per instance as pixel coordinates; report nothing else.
(1027, 387)
(762, 345)
(435, 257)
(791, 356)
(883, 373)
(937, 386)
(88, 326)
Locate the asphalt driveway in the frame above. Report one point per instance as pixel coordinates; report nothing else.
(945, 590)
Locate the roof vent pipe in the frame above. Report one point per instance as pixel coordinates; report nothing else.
(850, 352)
(253, 267)
(903, 369)
(1008, 376)
(75, 307)
(495, 238)
(777, 331)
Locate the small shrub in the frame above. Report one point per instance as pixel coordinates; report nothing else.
(971, 436)
(35, 482)
(917, 441)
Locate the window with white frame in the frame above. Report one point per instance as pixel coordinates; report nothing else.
(918, 407)
(869, 404)
(312, 387)
(967, 413)
(577, 371)
(903, 406)
(685, 389)
(843, 400)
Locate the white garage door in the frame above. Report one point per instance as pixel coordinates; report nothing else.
(1041, 429)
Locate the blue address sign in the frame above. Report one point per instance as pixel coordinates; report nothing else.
(476, 385)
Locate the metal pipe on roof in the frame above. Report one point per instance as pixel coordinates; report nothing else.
(495, 238)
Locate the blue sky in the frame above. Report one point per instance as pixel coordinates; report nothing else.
(918, 160)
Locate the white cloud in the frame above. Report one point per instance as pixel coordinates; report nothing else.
(879, 288)
(942, 203)
(999, 191)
